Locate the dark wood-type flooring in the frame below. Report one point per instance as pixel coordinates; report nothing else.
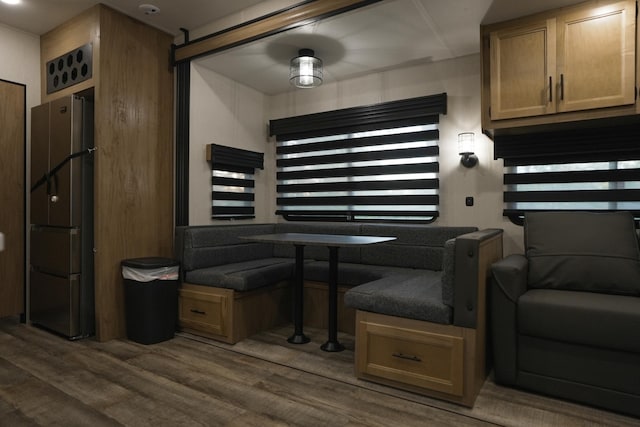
(262, 381)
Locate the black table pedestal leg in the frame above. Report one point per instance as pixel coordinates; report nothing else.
(332, 343)
(298, 336)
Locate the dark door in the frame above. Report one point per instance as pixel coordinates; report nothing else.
(12, 197)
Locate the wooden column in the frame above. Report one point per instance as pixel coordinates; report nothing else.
(133, 94)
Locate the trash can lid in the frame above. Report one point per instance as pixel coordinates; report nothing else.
(150, 262)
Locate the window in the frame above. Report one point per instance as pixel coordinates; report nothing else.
(381, 169)
(232, 180)
(592, 170)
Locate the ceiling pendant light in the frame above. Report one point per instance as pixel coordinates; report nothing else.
(305, 70)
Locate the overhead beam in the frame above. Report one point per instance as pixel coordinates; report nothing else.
(293, 17)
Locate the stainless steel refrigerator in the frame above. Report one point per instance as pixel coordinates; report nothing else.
(61, 293)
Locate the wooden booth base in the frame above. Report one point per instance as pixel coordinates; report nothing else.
(231, 316)
(441, 361)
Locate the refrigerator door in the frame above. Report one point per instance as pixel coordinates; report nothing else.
(39, 163)
(65, 204)
(55, 303)
(55, 250)
(61, 252)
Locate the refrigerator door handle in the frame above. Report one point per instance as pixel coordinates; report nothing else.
(52, 187)
(47, 176)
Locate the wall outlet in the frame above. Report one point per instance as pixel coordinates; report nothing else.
(468, 201)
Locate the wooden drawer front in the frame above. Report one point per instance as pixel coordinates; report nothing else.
(204, 312)
(418, 358)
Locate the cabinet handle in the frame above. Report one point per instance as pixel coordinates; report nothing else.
(550, 89)
(194, 311)
(561, 87)
(407, 357)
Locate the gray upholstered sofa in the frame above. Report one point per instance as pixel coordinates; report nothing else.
(566, 314)
(429, 275)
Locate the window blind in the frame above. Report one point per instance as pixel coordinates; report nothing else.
(233, 181)
(589, 169)
(361, 164)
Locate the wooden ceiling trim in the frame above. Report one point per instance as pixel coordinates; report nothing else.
(267, 25)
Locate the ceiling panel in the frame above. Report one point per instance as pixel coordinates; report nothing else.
(384, 35)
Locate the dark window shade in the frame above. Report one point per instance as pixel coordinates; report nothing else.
(234, 157)
(361, 164)
(590, 170)
(232, 181)
(365, 141)
(386, 115)
(570, 146)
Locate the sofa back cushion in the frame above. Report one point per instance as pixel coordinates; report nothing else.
(596, 252)
(415, 247)
(209, 246)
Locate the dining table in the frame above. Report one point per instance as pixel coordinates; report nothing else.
(333, 242)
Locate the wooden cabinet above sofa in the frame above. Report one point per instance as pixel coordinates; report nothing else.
(564, 65)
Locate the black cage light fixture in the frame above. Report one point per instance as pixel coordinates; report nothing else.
(305, 70)
(468, 158)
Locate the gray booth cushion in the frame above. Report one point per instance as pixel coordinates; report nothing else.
(207, 246)
(244, 276)
(415, 246)
(402, 278)
(415, 297)
(197, 258)
(350, 274)
(606, 259)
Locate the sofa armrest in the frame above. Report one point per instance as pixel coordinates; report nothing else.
(474, 254)
(508, 283)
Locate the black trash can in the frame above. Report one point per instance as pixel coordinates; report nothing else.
(151, 298)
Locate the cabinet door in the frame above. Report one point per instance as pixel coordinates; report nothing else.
(523, 64)
(596, 57)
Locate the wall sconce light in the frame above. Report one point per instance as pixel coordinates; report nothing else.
(465, 149)
(305, 70)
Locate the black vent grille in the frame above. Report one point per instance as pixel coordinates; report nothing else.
(70, 69)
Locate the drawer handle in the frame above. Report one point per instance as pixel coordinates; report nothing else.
(407, 357)
(193, 310)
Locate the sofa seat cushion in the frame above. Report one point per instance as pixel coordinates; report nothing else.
(586, 318)
(415, 296)
(348, 273)
(244, 276)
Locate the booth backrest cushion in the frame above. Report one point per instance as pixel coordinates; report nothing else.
(415, 246)
(209, 246)
(596, 252)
